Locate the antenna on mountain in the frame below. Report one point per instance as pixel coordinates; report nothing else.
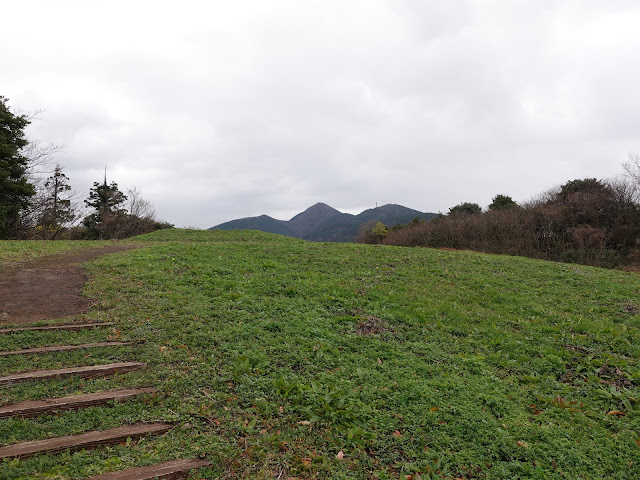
(376, 204)
(105, 174)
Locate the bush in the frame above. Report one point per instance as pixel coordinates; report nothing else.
(584, 221)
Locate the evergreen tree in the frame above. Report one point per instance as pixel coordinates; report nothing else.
(57, 209)
(502, 202)
(466, 208)
(108, 213)
(15, 189)
(379, 232)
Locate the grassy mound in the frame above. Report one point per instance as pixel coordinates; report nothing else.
(282, 358)
(178, 235)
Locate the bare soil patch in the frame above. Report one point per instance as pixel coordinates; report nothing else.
(614, 376)
(48, 287)
(631, 308)
(372, 326)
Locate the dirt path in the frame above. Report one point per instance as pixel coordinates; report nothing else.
(48, 287)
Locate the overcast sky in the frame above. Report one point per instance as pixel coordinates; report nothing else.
(224, 109)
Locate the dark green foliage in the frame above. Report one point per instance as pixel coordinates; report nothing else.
(108, 211)
(110, 218)
(106, 198)
(58, 212)
(586, 185)
(502, 202)
(15, 188)
(466, 208)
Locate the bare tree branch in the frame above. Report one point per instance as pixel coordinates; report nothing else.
(632, 167)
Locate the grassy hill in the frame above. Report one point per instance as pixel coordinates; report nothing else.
(280, 358)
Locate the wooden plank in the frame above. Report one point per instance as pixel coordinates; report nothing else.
(61, 348)
(71, 327)
(87, 372)
(36, 407)
(173, 470)
(84, 441)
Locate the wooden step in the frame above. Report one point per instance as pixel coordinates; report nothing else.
(71, 327)
(87, 372)
(173, 470)
(61, 348)
(84, 441)
(73, 402)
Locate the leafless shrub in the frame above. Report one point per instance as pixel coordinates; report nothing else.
(584, 221)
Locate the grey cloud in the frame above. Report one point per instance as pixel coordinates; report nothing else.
(218, 110)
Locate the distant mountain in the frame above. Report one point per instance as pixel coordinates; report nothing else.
(263, 223)
(346, 227)
(305, 222)
(322, 223)
(388, 214)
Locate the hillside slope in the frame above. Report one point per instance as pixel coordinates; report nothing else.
(277, 356)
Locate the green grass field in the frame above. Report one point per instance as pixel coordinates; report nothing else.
(279, 358)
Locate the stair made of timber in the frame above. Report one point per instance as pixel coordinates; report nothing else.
(73, 327)
(86, 372)
(74, 402)
(84, 441)
(61, 348)
(173, 470)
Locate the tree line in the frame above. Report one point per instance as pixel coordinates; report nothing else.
(588, 221)
(36, 200)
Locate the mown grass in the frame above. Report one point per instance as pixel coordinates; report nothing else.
(279, 358)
